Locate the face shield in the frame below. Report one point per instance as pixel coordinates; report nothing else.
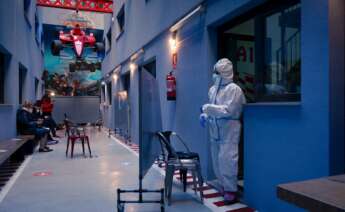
(224, 68)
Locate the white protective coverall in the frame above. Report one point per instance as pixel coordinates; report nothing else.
(223, 114)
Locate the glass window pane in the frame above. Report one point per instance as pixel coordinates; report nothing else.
(109, 91)
(282, 53)
(265, 51)
(240, 49)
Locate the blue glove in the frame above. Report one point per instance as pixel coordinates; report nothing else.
(203, 119)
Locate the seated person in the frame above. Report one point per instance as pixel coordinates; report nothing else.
(46, 107)
(26, 124)
(47, 122)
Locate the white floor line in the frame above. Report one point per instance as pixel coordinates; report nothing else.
(125, 146)
(14, 178)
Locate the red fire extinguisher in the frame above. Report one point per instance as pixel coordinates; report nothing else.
(171, 87)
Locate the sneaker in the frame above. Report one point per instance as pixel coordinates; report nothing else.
(45, 150)
(52, 142)
(230, 198)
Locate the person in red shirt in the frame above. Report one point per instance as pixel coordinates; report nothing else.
(47, 109)
(46, 105)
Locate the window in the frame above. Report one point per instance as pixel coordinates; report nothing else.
(265, 51)
(121, 19)
(27, 4)
(109, 38)
(103, 93)
(126, 82)
(37, 82)
(151, 67)
(37, 29)
(2, 78)
(22, 78)
(109, 92)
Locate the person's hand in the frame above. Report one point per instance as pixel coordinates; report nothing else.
(203, 119)
(40, 121)
(206, 108)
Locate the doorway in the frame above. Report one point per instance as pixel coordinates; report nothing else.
(122, 107)
(150, 120)
(22, 84)
(264, 47)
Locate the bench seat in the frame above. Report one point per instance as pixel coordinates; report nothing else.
(9, 147)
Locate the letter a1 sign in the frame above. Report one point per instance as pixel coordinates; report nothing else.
(174, 60)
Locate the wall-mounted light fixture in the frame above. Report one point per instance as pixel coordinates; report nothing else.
(173, 42)
(103, 83)
(115, 76)
(122, 95)
(52, 93)
(136, 55)
(173, 48)
(132, 66)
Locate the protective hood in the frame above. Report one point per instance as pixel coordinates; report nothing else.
(224, 68)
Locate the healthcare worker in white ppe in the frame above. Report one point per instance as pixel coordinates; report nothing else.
(222, 114)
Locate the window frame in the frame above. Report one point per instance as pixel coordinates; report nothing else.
(103, 93)
(259, 13)
(109, 92)
(121, 26)
(26, 9)
(108, 35)
(22, 77)
(37, 29)
(37, 83)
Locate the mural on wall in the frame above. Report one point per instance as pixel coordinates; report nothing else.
(66, 73)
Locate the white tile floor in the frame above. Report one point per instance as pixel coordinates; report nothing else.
(85, 184)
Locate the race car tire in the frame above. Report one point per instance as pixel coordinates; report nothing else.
(92, 67)
(99, 47)
(72, 67)
(56, 46)
(98, 65)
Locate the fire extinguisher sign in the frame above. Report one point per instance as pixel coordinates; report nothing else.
(174, 60)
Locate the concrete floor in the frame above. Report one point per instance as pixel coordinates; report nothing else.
(86, 184)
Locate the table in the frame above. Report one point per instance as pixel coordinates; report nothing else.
(319, 195)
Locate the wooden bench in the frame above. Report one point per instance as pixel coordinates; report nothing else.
(15, 147)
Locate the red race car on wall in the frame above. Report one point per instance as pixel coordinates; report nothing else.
(76, 39)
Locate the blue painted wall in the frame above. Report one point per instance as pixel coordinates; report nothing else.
(283, 142)
(17, 41)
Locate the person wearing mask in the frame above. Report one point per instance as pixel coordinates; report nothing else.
(27, 125)
(222, 114)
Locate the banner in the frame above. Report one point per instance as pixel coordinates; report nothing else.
(150, 121)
